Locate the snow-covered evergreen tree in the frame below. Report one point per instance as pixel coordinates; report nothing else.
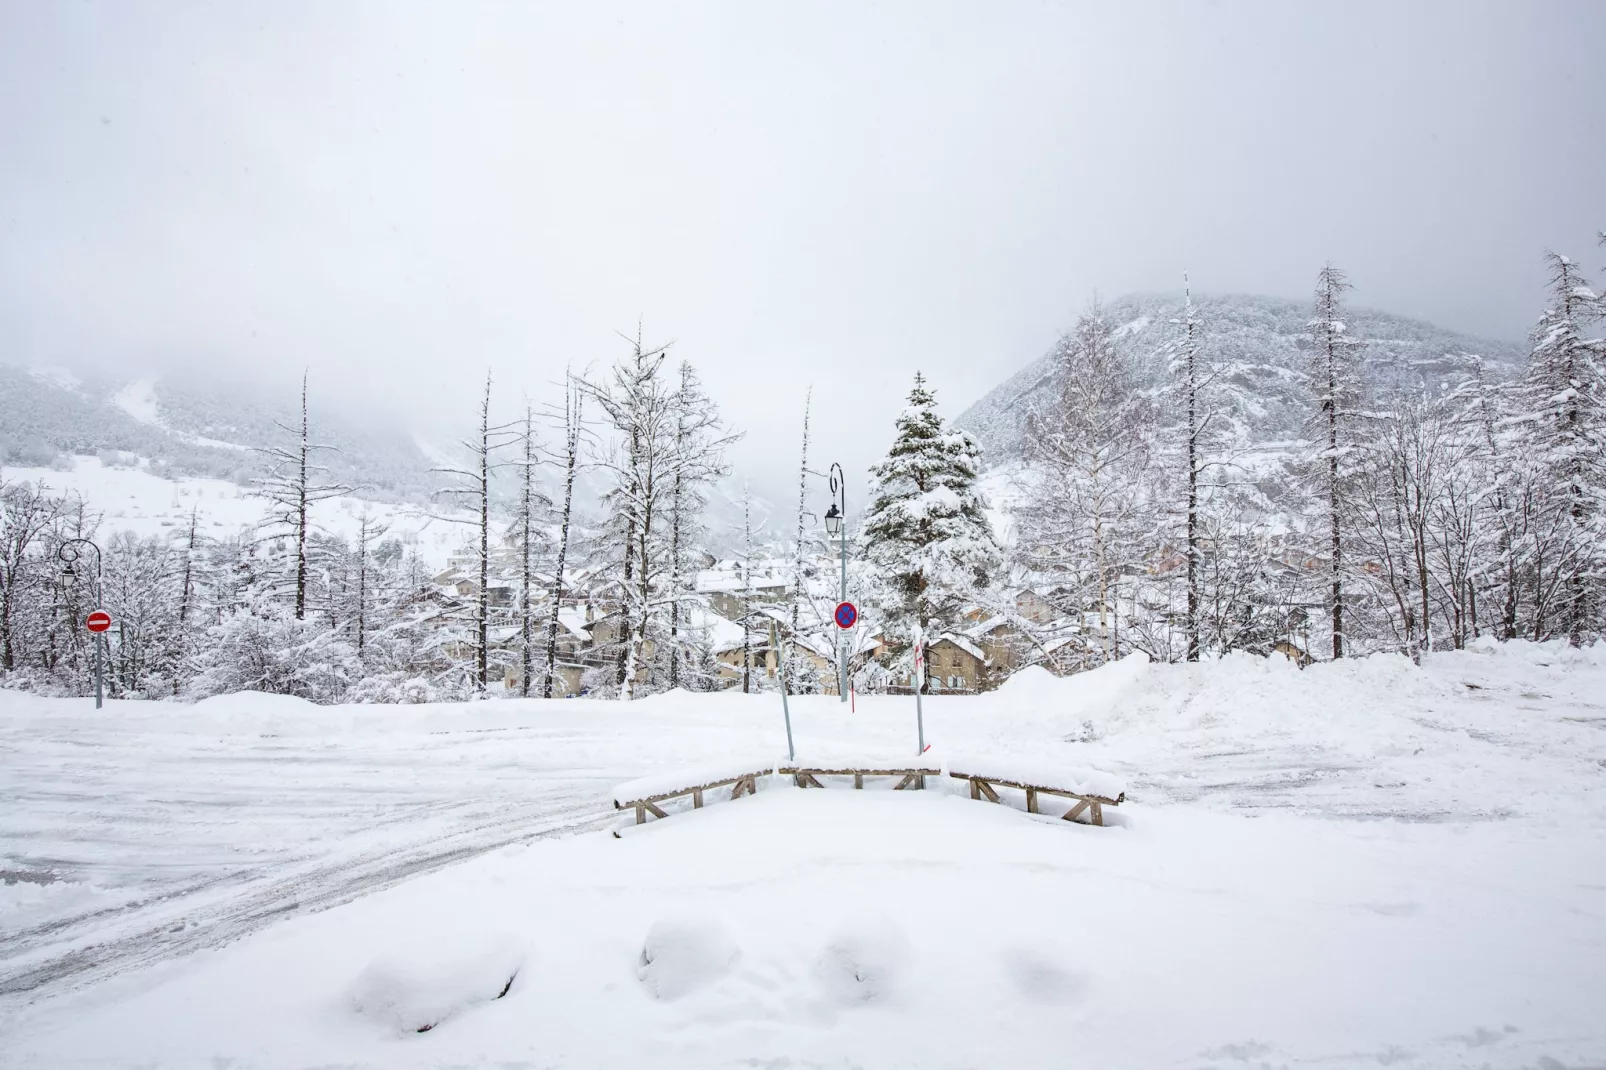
(926, 529)
(1563, 408)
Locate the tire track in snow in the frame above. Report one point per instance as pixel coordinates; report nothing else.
(161, 934)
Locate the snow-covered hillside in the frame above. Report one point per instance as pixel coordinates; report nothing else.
(1364, 863)
(130, 497)
(187, 426)
(1257, 344)
(198, 434)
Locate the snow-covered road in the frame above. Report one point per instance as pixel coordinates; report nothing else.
(133, 836)
(126, 841)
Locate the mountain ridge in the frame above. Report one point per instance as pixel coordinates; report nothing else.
(1253, 342)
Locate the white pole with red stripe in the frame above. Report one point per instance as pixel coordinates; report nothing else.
(920, 684)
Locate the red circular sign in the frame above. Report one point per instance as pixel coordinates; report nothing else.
(98, 621)
(846, 614)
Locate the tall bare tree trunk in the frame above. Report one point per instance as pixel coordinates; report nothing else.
(572, 399)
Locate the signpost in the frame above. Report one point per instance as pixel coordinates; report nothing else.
(920, 684)
(99, 622)
(836, 527)
(846, 615)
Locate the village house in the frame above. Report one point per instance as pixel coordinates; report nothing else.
(955, 663)
(730, 586)
(1033, 607)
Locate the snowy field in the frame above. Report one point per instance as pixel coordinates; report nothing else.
(1364, 864)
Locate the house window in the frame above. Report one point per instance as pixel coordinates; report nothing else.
(956, 681)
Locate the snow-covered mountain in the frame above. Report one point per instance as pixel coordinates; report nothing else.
(188, 426)
(144, 450)
(1258, 346)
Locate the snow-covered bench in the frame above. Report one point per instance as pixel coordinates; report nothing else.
(1092, 790)
(645, 793)
(912, 776)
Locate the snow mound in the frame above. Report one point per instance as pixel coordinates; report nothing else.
(414, 989)
(862, 962)
(255, 704)
(683, 954)
(1036, 690)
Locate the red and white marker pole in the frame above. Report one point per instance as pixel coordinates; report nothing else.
(98, 622)
(920, 683)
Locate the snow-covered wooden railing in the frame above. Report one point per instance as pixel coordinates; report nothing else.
(805, 776)
(645, 793)
(1091, 790)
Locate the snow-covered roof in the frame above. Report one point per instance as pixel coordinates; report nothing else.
(963, 643)
(573, 619)
(719, 579)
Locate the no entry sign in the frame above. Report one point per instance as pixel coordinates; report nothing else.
(98, 621)
(846, 614)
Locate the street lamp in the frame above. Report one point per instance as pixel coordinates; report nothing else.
(836, 528)
(68, 554)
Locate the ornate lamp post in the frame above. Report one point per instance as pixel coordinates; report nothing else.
(68, 554)
(836, 527)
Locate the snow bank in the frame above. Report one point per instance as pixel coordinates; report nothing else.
(1036, 690)
(683, 954)
(255, 704)
(414, 989)
(1039, 774)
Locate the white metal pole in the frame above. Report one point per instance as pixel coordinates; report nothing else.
(786, 710)
(842, 633)
(920, 680)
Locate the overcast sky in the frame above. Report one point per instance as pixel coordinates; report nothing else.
(401, 195)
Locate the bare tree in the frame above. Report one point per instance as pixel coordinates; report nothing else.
(528, 535)
(368, 533)
(697, 460)
(1332, 381)
(1085, 523)
(27, 512)
(573, 423)
(473, 485)
(1194, 430)
(799, 588)
(293, 484)
(639, 407)
(747, 589)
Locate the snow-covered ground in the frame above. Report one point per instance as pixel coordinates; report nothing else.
(132, 498)
(1362, 864)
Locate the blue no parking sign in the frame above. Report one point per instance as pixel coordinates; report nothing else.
(846, 614)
